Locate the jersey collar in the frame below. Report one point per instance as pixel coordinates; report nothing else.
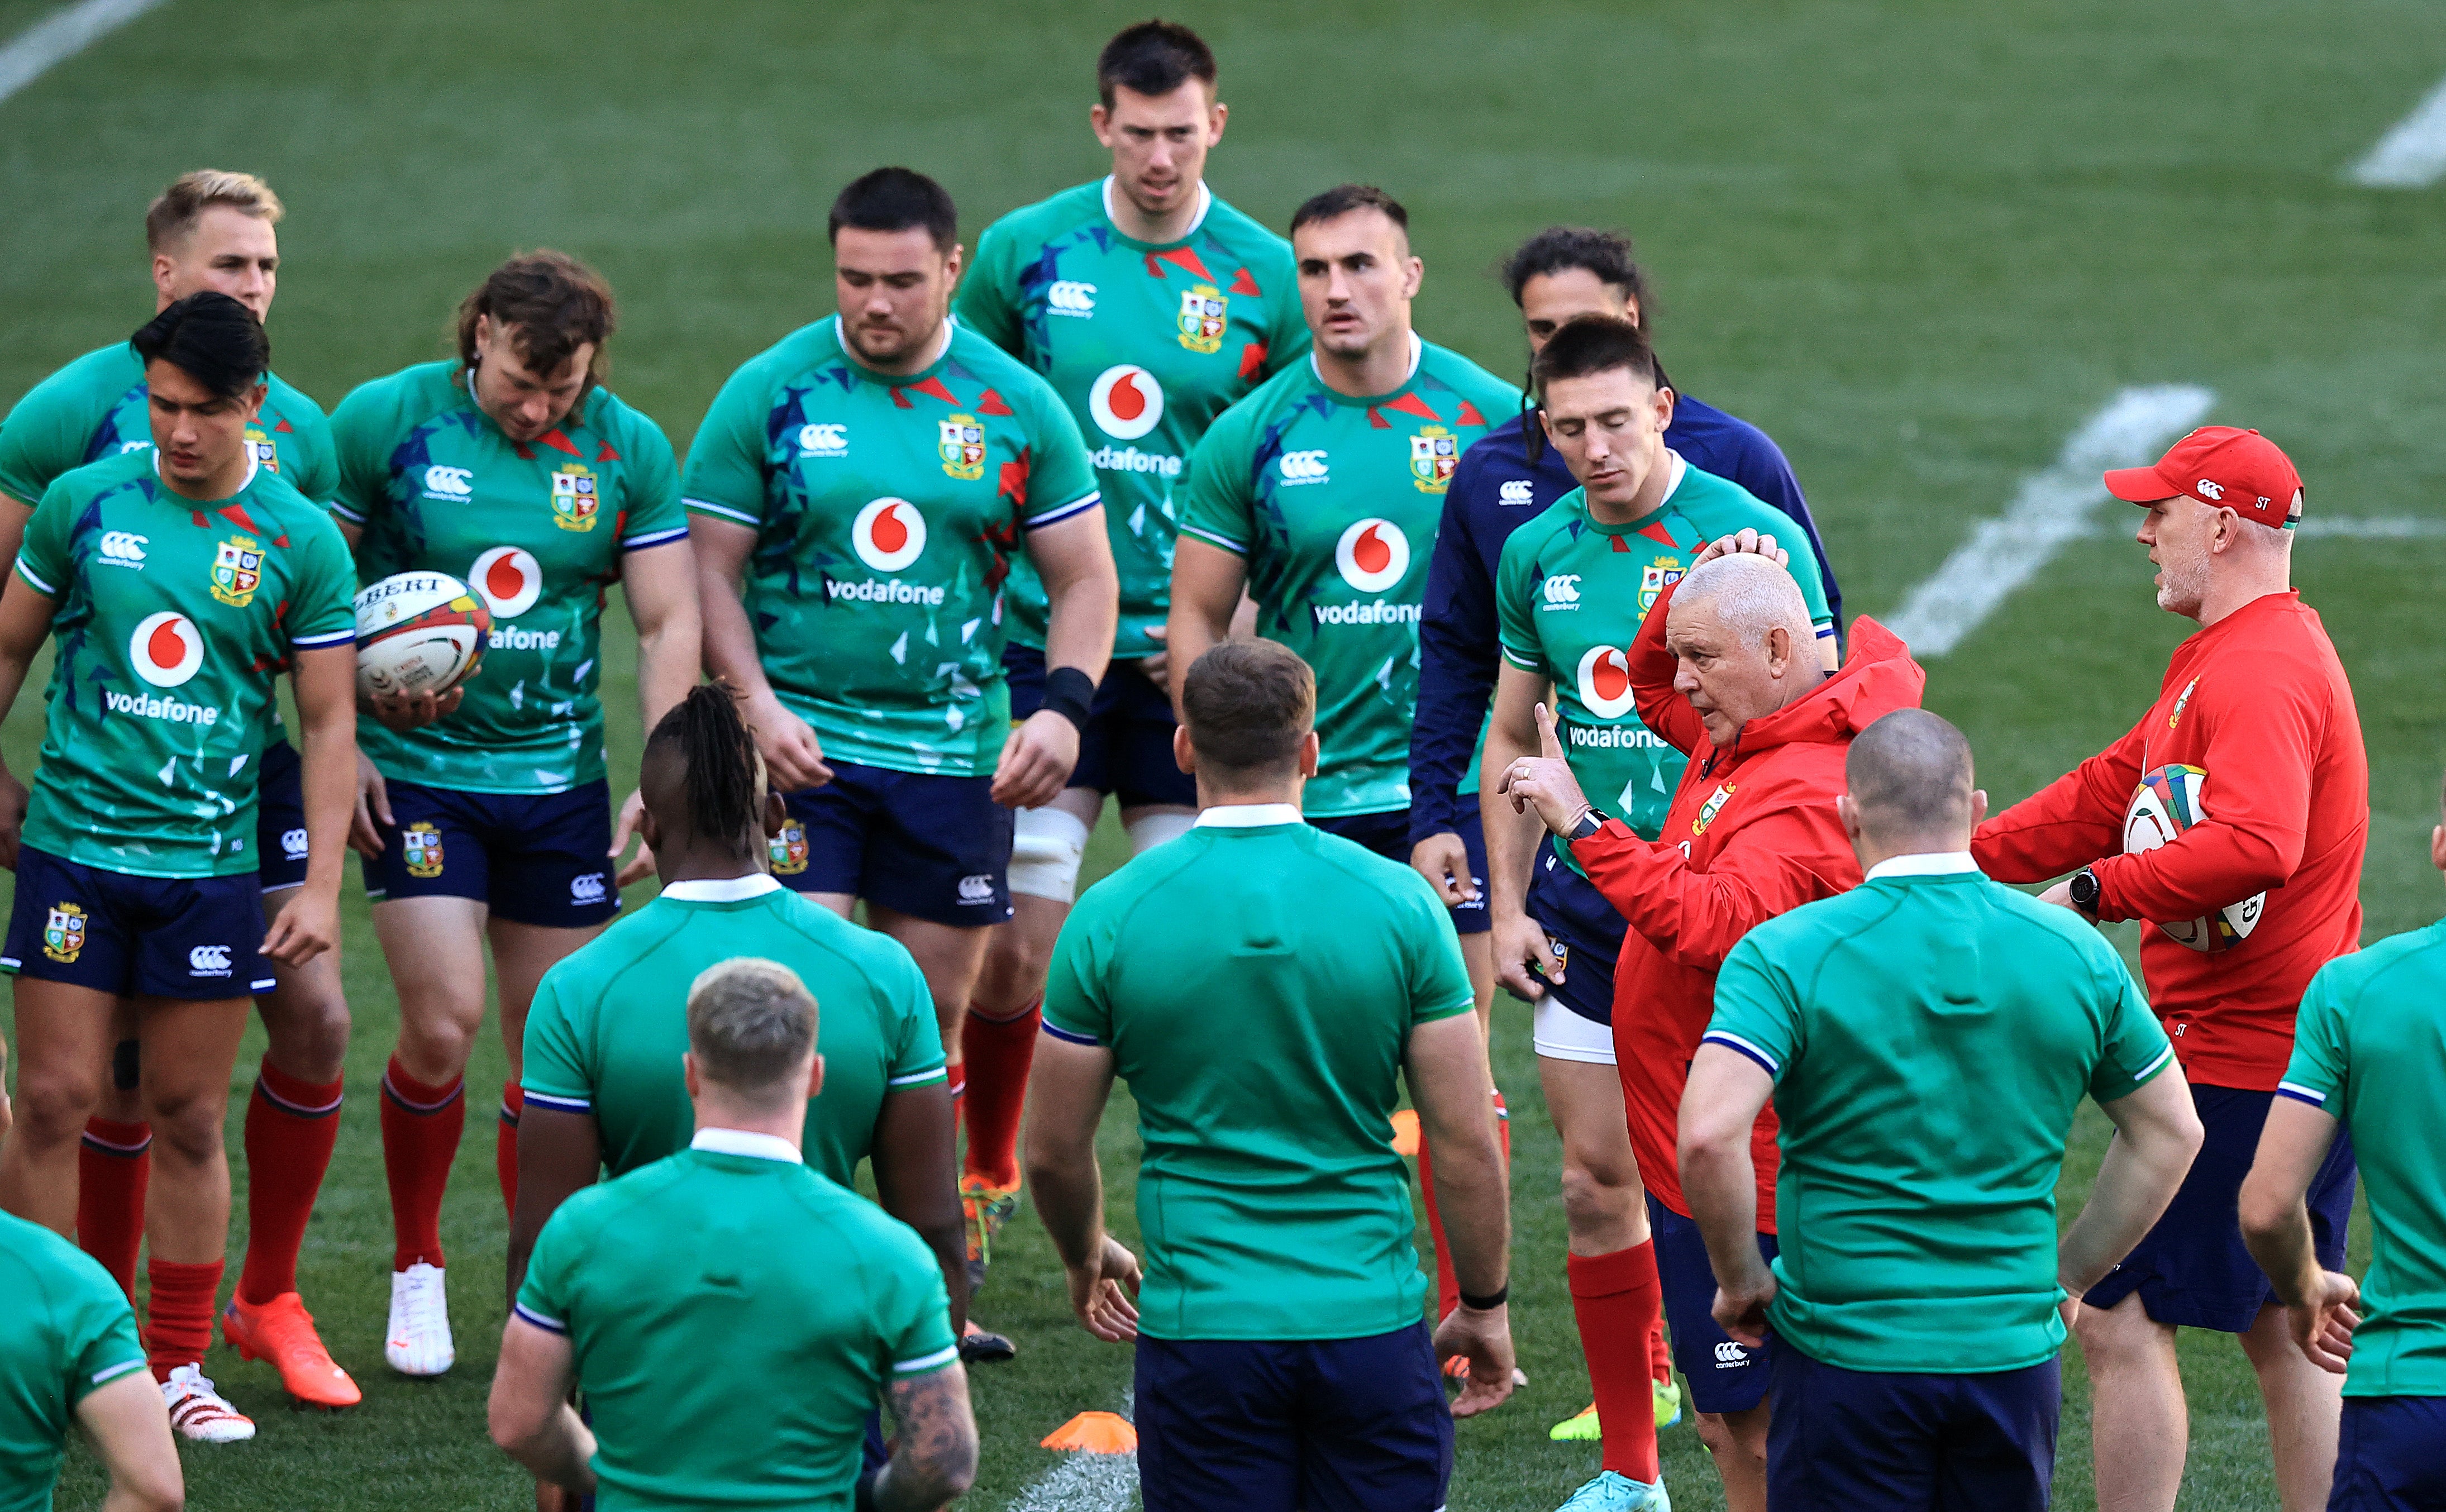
(741, 1141)
(1247, 816)
(849, 355)
(1417, 355)
(244, 483)
(1677, 470)
(1205, 202)
(1924, 863)
(722, 889)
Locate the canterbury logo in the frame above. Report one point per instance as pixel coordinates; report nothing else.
(122, 546)
(1303, 466)
(208, 960)
(977, 889)
(1518, 491)
(1729, 1352)
(1563, 587)
(458, 482)
(2210, 490)
(1068, 298)
(823, 440)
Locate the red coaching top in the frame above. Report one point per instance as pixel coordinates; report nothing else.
(2259, 702)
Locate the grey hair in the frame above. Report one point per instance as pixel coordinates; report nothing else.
(1909, 774)
(1752, 596)
(751, 1024)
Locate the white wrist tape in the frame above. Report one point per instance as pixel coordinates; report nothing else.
(1046, 847)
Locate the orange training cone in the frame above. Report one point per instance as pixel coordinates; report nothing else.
(1405, 1131)
(1095, 1433)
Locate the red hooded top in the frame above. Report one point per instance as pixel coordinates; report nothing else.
(1751, 832)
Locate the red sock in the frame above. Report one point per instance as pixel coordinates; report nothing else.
(957, 1075)
(505, 1146)
(420, 1127)
(1660, 1354)
(114, 1165)
(1001, 1050)
(179, 1317)
(291, 1126)
(1503, 1127)
(1616, 1300)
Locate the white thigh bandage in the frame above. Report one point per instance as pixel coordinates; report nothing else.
(1563, 1035)
(1045, 848)
(1147, 831)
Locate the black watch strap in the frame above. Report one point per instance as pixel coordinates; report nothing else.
(2084, 891)
(1591, 820)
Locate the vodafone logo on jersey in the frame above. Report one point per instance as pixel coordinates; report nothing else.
(1126, 402)
(1373, 555)
(1605, 682)
(888, 533)
(167, 648)
(509, 578)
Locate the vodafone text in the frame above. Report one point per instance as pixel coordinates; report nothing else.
(892, 592)
(1375, 612)
(146, 706)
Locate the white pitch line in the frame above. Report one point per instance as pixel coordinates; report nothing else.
(2413, 154)
(1083, 1483)
(2388, 527)
(62, 35)
(2053, 507)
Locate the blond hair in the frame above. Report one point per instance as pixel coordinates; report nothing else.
(751, 1023)
(190, 194)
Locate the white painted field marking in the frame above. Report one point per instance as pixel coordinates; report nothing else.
(61, 35)
(1083, 1483)
(2413, 154)
(2052, 508)
(2389, 527)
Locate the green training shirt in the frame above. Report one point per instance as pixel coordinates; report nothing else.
(64, 1329)
(1147, 343)
(1572, 591)
(540, 529)
(1258, 981)
(1334, 502)
(175, 619)
(2369, 1047)
(1930, 1034)
(734, 1316)
(888, 512)
(609, 1022)
(97, 408)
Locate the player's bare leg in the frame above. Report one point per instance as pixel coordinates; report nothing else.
(2305, 1411)
(63, 1037)
(1738, 1442)
(189, 1047)
(2140, 1425)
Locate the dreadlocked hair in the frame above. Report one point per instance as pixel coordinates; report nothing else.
(719, 755)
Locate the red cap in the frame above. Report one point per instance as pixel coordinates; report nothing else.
(2223, 468)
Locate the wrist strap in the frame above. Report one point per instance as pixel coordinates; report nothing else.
(1489, 1303)
(1069, 692)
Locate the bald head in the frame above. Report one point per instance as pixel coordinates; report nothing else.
(1752, 596)
(1742, 641)
(1912, 784)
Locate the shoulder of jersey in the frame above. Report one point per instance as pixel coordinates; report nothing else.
(1032, 226)
(1707, 488)
(410, 396)
(815, 342)
(1006, 373)
(289, 397)
(115, 366)
(608, 414)
(1538, 530)
(1229, 222)
(1468, 379)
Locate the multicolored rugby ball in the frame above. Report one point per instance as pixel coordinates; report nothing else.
(418, 633)
(2166, 803)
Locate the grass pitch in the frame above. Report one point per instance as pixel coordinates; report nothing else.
(1918, 242)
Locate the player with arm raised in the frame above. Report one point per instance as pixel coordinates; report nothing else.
(212, 230)
(1151, 306)
(514, 471)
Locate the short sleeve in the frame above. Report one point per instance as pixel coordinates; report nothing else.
(2135, 1050)
(917, 1046)
(725, 476)
(552, 1066)
(2316, 1074)
(1218, 511)
(1076, 1008)
(984, 303)
(547, 1297)
(1439, 979)
(42, 437)
(323, 611)
(1756, 1015)
(43, 557)
(1060, 481)
(913, 1312)
(1515, 614)
(361, 441)
(99, 1343)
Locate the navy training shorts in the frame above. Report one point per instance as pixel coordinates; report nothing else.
(1587, 931)
(280, 816)
(2191, 1270)
(934, 847)
(539, 858)
(1839, 1440)
(191, 938)
(1725, 1375)
(1389, 835)
(1321, 1425)
(2391, 1455)
(1126, 747)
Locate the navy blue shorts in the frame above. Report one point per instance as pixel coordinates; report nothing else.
(1584, 927)
(1389, 835)
(2391, 1455)
(1126, 749)
(1321, 1425)
(539, 858)
(1841, 1440)
(2191, 1270)
(192, 937)
(1725, 1375)
(936, 849)
(280, 816)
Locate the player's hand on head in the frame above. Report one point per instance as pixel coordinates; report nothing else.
(626, 825)
(1524, 957)
(306, 925)
(1483, 1339)
(1444, 860)
(1036, 761)
(14, 798)
(374, 809)
(1747, 542)
(793, 756)
(2322, 1323)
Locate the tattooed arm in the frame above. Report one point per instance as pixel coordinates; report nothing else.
(937, 1455)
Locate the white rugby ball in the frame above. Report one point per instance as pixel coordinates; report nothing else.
(2165, 803)
(418, 633)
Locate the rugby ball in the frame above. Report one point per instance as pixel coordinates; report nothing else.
(418, 633)
(2166, 803)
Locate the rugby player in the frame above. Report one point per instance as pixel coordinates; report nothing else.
(514, 471)
(182, 580)
(1572, 585)
(1151, 306)
(861, 492)
(2257, 709)
(638, 1284)
(215, 229)
(1281, 1358)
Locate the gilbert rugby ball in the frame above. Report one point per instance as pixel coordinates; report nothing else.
(418, 633)
(2166, 803)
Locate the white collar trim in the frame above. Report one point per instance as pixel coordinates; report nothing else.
(1247, 816)
(244, 483)
(1205, 202)
(723, 889)
(741, 1141)
(1924, 864)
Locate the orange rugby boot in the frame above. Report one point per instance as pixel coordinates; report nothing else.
(282, 1331)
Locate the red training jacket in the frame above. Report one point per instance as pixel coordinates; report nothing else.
(1751, 833)
(2259, 702)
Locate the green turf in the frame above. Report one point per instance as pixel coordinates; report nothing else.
(1918, 241)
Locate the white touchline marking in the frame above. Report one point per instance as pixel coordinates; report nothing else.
(1085, 1482)
(62, 35)
(2389, 527)
(2413, 153)
(2053, 507)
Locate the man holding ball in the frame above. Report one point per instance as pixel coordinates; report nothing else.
(2248, 900)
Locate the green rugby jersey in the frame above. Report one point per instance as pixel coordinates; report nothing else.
(609, 1021)
(540, 529)
(174, 622)
(96, 408)
(1930, 1034)
(1334, 502)
(64, 1329)
(888, 512)
(1258, 981)
(734, 1316)
(1147, 343)
(2369, 1047)
(1572, 591)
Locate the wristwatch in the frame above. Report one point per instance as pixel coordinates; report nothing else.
(1590, 820)
(2084, 891)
